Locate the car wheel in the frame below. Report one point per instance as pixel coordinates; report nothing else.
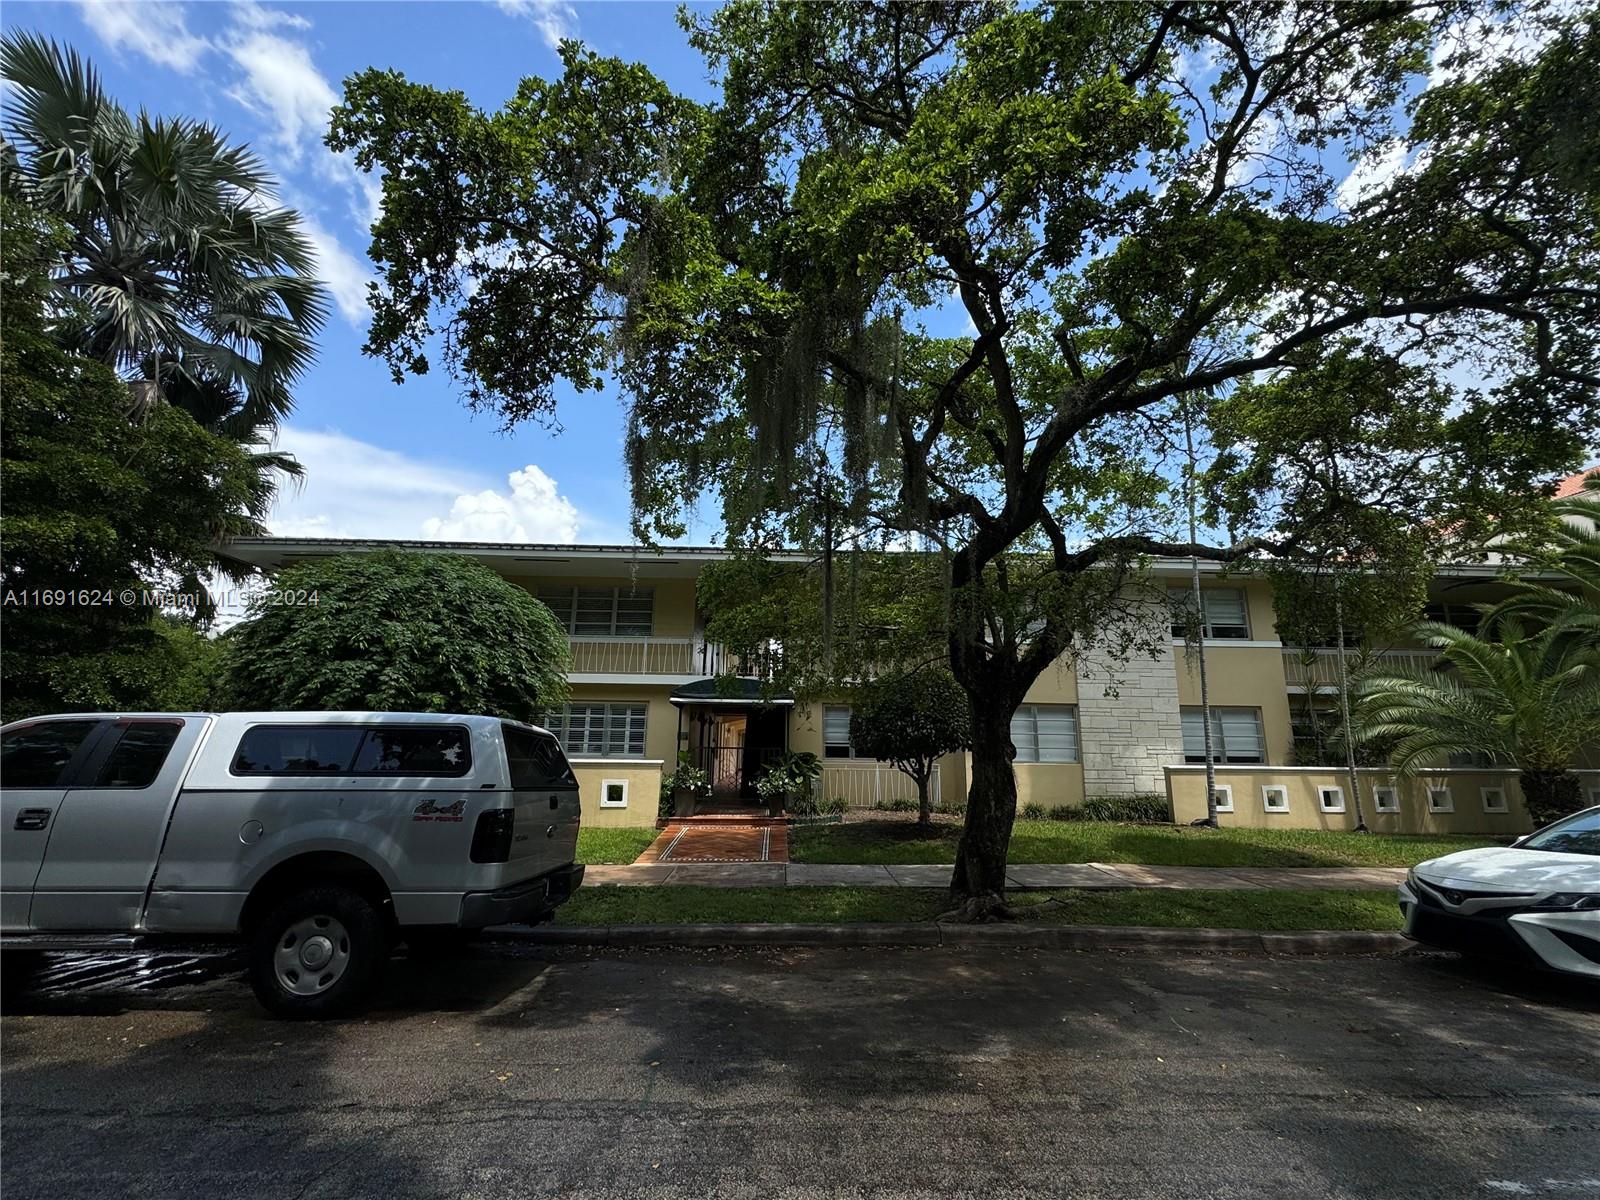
(319, 953)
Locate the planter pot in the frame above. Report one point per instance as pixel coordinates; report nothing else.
(775, 805)
(683, 802)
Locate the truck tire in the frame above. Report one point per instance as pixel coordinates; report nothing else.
(319, 953)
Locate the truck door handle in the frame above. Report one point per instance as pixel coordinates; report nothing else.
(33, 818)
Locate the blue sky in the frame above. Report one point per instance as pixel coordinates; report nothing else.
(382, 459)
(408, 460)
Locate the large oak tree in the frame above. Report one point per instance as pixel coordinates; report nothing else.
(973, 268)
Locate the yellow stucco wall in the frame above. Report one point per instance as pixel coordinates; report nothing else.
(1258, 598)
(660, 755)
(1057, 685)
(805, 729)
(1186, 790)
(1245, 677)
(644, 791)
(1049, 784)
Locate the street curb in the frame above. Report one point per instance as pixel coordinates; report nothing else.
(1054, 937)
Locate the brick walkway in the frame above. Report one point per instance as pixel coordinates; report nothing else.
(678, 867)
(757, 842)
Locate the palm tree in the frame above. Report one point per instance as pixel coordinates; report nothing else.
(177, 268)
(1529, 700)
(1566, 591)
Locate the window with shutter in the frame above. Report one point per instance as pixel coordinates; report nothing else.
(836, 731)
(599, 730)
(602, 612)
(1046, 733)
(1235, 735)
(1224, 612)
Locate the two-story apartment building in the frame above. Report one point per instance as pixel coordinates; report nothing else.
(645, 690)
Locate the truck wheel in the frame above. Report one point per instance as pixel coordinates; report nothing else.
(319, 953)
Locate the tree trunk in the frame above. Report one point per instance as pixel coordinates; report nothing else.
(1550, 795)
(978, 886)
(924, 805)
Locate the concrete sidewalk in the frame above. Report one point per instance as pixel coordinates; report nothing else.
(1021, 877)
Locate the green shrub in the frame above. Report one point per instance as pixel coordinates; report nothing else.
(834, 807)
(1140, 806)
(1033, 812)
(398, 630)
(803, 803)
(1063, 812)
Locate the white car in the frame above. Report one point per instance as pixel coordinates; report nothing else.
(1537, 900)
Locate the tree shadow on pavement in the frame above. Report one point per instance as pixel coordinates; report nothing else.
(534, 1071)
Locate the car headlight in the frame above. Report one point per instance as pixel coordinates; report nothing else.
(1579, 901)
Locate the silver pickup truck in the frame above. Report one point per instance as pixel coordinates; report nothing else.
(320, 839)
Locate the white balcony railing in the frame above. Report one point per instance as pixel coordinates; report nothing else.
(1319, 669)
(637, 655)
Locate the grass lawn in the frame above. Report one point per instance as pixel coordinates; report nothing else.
(1104, 841)
(616, 845)
(1266, 910)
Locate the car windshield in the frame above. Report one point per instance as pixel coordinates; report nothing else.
(1578, 834)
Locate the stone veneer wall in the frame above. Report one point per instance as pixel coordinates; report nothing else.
(1128, 738)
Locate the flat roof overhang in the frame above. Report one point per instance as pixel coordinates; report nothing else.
(737, 692)
(536, 559)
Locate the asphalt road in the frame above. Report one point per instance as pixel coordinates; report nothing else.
(839, 1072)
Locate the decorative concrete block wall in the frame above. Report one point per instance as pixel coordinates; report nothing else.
(1129, 737)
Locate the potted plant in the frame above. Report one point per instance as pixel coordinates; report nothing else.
(789, 781)
(773, 789)
(687, 785)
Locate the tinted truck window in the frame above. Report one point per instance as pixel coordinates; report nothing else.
(536, 761)
(432, 750)
(136, 759)
(297, 750)
(36, 755)
(415, 750)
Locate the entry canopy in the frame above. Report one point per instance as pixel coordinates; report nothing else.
(733, 692)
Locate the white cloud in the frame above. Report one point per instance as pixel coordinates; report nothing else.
(345, 274)
(159, 32)
(533, 511)
(354, 489)
(279, 83)
(1372, 173)
(555, 19)
(1475, 44)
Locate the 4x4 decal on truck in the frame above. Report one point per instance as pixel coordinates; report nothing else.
(429, 811)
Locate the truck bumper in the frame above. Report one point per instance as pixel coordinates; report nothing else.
(525, 903)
